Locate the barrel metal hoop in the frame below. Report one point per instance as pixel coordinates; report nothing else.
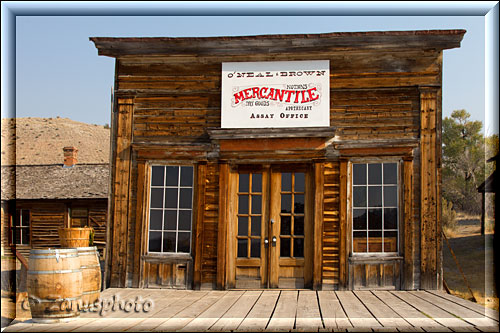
(62, 271)
(87, 248)
(90, 266)
(36, 251)
(90, 292)
(54, 256)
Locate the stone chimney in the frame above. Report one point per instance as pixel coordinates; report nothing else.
(70, 154)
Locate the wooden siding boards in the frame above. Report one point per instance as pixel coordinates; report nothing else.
(385, 102)
(210, 227)
(331, 226)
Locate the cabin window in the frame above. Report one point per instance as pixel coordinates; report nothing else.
(79, 217)
(20, 227)
(375, 207)
(170, 209)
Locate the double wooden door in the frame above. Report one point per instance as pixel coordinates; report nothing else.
(271, 228)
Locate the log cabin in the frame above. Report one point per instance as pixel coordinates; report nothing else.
(48, 182)
(277, 161)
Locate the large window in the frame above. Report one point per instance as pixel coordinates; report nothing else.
(20, 227)
(171, 206)
(375, 207)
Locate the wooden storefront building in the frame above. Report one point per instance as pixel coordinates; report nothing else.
(200, 199)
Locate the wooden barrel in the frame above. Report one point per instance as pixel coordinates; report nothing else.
(91, 273)
(74, 237)
(54, 285)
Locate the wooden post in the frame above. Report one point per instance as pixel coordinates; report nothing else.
(139, 220)
(343, 226)
(120, 191)
(222, 227)
(200, 210)
(429, 242)
(318, 225)
(408, 251)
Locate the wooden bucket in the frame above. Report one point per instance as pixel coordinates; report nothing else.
(54, 285)
(74, 237)
(91, 273)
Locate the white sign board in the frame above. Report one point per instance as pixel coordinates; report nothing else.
(276, 94)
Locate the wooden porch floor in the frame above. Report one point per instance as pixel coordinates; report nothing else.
(280, 310)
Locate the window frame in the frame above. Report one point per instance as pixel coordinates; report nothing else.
(399, 206)
(13, 227)
(164, 187)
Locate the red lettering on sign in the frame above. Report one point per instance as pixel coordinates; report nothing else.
(282, 95)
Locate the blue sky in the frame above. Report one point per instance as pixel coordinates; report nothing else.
(58, 71)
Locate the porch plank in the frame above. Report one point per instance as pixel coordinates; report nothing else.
(237, 313)
(133, 296)
(384, 314)
(35, 327)
(122, 325)
(483, 310)
(405, 310)
(258, 317)
(308, 313)
(205, 320)
(436, 313)
(60, 327)
(331, 310)
(166, 307)
(466, 314)
(192, 311)
(284, 314)
(356, 311)
(97, 324)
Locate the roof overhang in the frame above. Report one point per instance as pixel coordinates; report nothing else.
(279, 44)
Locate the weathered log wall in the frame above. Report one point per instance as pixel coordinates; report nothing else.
(47, 216)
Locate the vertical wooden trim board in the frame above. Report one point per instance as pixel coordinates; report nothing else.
(141, 181)
(408, 250)
(144, 225)
(318, 225)
(429, 191)
(121, 191)
(222, 228)
(198, 230)
(343, 226)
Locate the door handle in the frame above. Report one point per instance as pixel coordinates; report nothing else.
(266, 242)
(274, 240)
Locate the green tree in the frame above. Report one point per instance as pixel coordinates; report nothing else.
(463, 161)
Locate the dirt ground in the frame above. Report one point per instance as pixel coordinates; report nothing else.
(474, 254)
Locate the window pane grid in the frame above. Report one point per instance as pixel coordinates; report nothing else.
(365, 176)
(292, 207)
(162, 244)
(249, 208)
(20, 227)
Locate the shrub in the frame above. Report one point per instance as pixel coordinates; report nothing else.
(449, 216)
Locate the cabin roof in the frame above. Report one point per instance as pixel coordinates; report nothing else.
(278, 44)
(82, 181)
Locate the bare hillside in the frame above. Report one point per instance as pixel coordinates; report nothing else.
(35, 141)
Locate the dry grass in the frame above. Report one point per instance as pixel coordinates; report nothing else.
(472, 250)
